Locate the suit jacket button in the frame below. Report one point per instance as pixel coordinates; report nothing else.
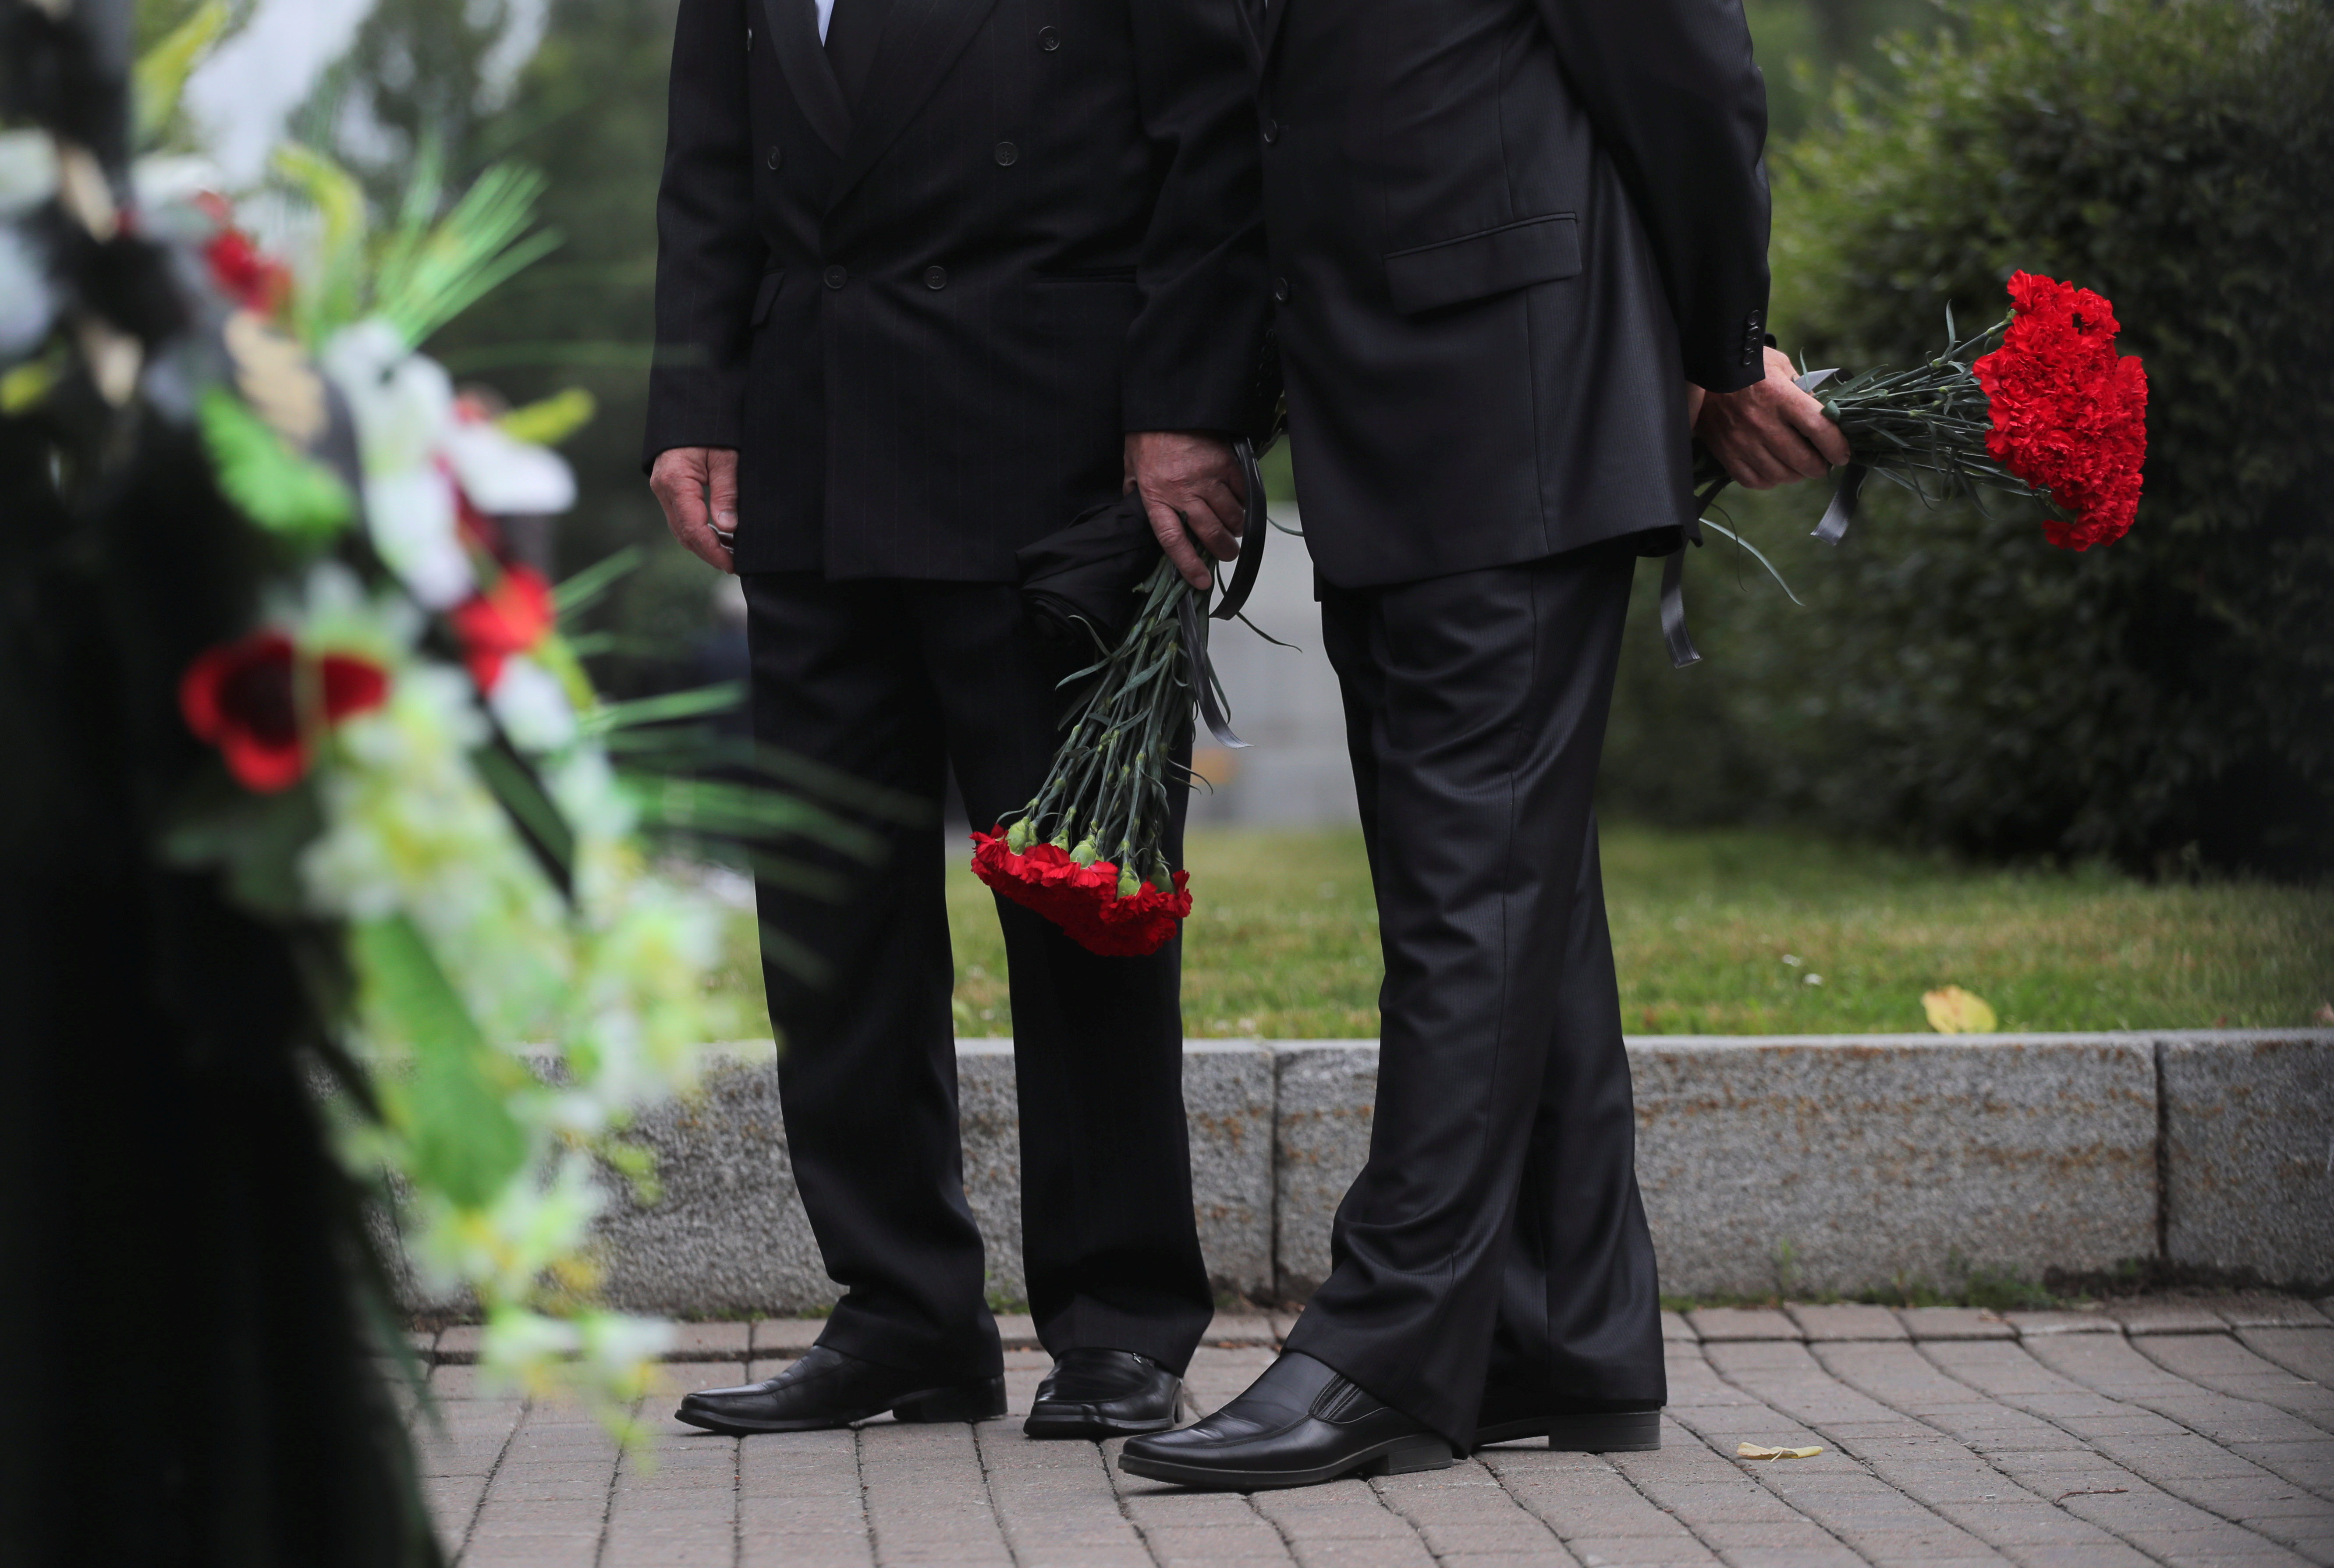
(774, 158)
(838, 275)
(1049, 39)
(936, 277)
(1008, 155)
(1280, 290)
(1271, 131)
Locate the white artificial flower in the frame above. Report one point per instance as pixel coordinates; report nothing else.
(161, 178)
(531, 707)
(28, 170)
(583, 786)
(617, 1341)
(332, 610)
(415, 525)
(403, 402)
(504, 476)
(27, 305)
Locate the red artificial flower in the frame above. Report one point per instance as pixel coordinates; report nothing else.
(1083, 901)
(239, 698)
(508, 617)
(2070, 413)
(255, 280)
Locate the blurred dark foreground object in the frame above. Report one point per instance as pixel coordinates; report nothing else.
(192, 1305)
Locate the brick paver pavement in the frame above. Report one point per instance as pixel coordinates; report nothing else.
(2190, 1431)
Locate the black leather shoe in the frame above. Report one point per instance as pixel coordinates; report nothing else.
(1298, 1425)
(1099, 1393)
(1570, 1426)
(829, 1389)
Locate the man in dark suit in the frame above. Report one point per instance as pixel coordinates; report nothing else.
(933, 276)
(1513, 242)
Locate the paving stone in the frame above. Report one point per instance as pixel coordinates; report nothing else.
(1676, 1329)
(1711, 1323)
(1585, 1498)
(2165, 1317)
(927, 1499)
(2304, 1352)
(675, 1503)
(1955, 1324)
(1237, 1331)
(2263, 1309)
(799, 1503)
(2038, 1324)
(785, 1337)
(1018, 1332)
(2284, 1443)
(1053, 1501)
(1465, 1513)
(710, 1342)
(453, 1380)
(1852, 1321)
(459, 1343)
(2228, 1366)
(1941, 1453)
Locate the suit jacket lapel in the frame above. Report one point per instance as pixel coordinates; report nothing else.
(1270, 32)
(1251, 34)
(921, 41)
(794, 34)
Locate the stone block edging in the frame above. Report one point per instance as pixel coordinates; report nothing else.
(1804, 1164)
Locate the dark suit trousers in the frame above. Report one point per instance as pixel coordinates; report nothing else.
(886, 682)
(1496, 1230)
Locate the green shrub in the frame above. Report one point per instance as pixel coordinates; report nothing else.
(2167, 699)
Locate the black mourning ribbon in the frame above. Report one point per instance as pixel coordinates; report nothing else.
(1079, 584)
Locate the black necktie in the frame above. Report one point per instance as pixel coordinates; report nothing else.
(853, 30)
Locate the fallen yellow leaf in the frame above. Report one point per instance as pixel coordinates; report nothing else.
(1953, 1011)
(1761, 1451)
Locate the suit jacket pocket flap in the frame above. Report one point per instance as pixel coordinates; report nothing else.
(1474, 266)
(767, 295)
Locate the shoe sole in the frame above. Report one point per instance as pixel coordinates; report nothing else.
(984, 1402)
(1401, 1457)
(1601, 1432)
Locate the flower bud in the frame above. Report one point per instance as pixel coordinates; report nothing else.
(1129, 884)
(1084, 854)
(1018, 838)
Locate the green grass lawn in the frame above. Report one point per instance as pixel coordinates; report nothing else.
(1283, 940)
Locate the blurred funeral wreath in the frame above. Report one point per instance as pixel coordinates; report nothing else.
(404, 772)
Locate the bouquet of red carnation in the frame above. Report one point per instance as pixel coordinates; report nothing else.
(2040, 404)
(1085, 851)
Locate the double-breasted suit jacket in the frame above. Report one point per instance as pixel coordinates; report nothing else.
(1504, 234)
(926, 313)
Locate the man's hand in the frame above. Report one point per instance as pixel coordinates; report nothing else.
(1770, 433)
(1191, 485)
(683, 478)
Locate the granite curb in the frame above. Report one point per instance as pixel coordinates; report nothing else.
(1771, 1166)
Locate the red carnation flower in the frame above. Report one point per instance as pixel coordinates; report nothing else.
(240, 697)
(2070, 413)
(1144, 923)
(1083, 901)
(511, 617)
